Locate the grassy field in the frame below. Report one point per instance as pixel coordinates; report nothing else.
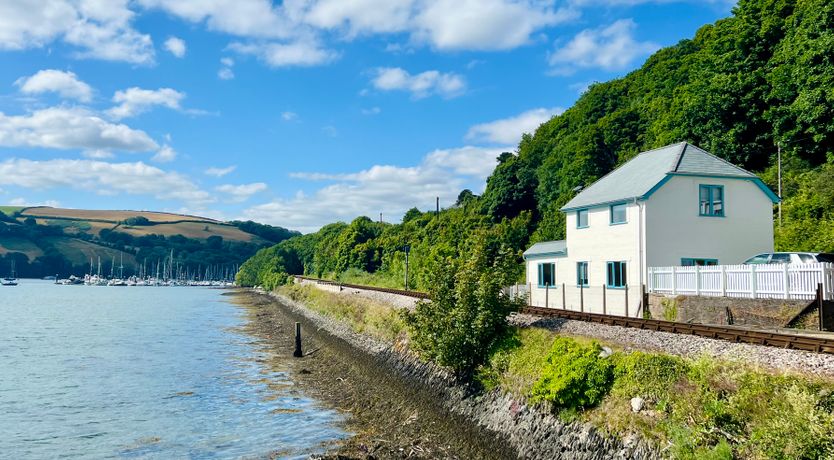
(114, 216)
(79, 252)
(198, 230)
(15, 244)
(9, 210)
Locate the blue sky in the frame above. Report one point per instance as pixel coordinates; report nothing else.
(297, 113)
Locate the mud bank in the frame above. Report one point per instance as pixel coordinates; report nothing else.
(402, 407)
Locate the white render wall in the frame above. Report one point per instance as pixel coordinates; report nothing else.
(597, 244)
(675, 230)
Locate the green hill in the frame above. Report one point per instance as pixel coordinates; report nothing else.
(763, 76)
(47, 241)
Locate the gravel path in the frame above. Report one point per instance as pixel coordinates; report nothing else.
(778, 359)
(395, 300)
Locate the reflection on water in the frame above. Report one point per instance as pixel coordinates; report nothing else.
(143, 372)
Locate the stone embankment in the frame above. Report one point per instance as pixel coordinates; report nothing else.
(531, 431)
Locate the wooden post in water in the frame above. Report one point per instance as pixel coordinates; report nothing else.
(297, 353)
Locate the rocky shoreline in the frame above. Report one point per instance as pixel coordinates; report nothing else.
(430, 415)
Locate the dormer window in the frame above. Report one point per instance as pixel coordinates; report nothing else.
(711, 200)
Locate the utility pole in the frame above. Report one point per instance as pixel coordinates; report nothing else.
(779, 168)
(437, 205)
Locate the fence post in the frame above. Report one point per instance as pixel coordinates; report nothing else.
(723, 281)
(564, 306)
(820, 305)
(581, 298)
(547, 295)
(697, 280)
(603, 299)
(529, 294)
(674, 281)
(786, 281)
(626, 300)
(753, 281)
(651, 278)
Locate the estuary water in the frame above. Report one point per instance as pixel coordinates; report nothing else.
(144, 372)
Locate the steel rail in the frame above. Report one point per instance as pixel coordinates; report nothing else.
(727, 333)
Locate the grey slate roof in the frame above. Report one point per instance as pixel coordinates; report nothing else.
(547, 248)
(638, 176)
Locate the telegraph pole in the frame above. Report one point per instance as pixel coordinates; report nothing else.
(779, 168)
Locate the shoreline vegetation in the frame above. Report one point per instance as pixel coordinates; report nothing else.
(700, 408)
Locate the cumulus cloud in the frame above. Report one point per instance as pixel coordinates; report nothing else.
(381, 188)
(484, 24)
(241, 193)
(134, 101)
(300, 53)
(509, 130)
(611, 47)
(102, 178)
(289, 116)
(71, 128)
(97, 29)
(65, 84)
(175, 46)
(226, 72)
(419, 85)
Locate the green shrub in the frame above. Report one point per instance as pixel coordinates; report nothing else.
(467, 315)
(648, 375)
(575, 375)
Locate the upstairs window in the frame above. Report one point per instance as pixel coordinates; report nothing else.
(582, 274)
(616, 275)
(618, 214)
(712, 200)
(547, 274)
(582, 218)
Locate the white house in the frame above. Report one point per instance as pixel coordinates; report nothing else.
(676, 205)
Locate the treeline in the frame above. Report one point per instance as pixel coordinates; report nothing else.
(739, 87)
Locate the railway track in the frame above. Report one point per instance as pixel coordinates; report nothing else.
(728, 333)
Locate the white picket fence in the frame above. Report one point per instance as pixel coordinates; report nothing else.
(772, 281)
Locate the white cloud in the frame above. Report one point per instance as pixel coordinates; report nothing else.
(509, 130)
(358, 16)
(100, 29)
(165, 155)
(134, 101)
(610, 48)
(484, 24)
(419, 85)
(71, 128)
(219, 172)
(175, 46)
(299, 53)
(66, 84)
(241, 193)
(289, 116)
(225, 73)
(371, 111)
(20, 201)
(382, 188)
(102, 178)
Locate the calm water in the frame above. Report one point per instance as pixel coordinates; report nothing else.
(143, 372)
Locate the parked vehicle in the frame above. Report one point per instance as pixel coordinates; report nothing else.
(789, 258)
